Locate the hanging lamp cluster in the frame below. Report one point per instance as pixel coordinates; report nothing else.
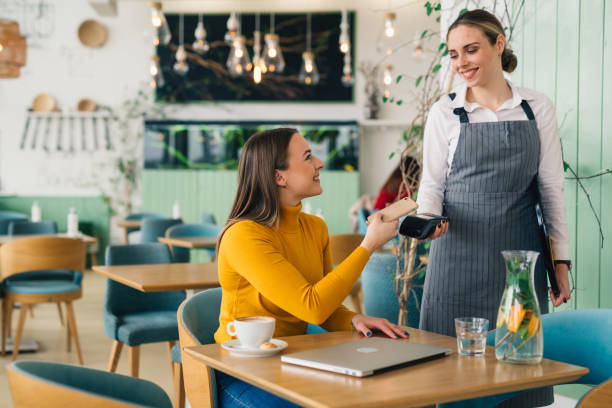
(268, 60)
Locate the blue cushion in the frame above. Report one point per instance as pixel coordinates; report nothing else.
(192, 230)
(152, 228)
(101, 383)
(148, 327)
(32, 228)
(140, 216)
(34, 287)
(175, 354)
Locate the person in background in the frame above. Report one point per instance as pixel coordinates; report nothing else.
(491, 150)
(390, 191)
(274, 260)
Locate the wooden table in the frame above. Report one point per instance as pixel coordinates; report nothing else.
(190, 242)
(85, 238)
(162, 277)
(599, 397)
(447, 379)
(126, 224)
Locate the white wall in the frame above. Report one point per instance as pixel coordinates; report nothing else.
(62, 66)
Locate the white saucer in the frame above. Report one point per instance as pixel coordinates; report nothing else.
(234, 347)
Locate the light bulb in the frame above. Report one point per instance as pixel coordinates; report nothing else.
(309, 74)
(259, 66)
(256, 74)
(389, 24)
(181, 66)
(153, 69)
(343, 41)
(273, 56)
(345, 47)
(157, 79)
(158, 20)
(232, 28)
(387, 74)
(200, 45)
(387, 42)
(238, 60)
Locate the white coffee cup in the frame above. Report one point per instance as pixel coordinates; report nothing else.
(252, 331)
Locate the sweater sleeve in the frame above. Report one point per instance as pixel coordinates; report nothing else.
(264, 266)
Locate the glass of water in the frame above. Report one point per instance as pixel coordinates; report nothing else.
(471, 335)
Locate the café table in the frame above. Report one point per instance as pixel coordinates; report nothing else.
(190, 242)
(162, 277)
(125, 225)
(450, 378)
(89, 240)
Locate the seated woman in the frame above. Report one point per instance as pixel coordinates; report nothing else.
(275, 260)
(390, 191)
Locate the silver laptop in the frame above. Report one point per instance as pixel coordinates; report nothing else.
(364, 357)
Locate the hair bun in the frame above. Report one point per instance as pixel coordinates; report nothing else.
(508, 60)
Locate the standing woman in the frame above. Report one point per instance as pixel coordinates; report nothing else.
(275, 260)
(490, 150)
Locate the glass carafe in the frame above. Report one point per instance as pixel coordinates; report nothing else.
(518, 338)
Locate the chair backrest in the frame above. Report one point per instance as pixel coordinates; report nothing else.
(36, 384)
(32, 228)
(140, 216)
(121, 299)
(341, 246)
(41, 253)
(153, 228)
(362, 216)
(6, 217)
(190, 230)
(198, 320)
(208, 218)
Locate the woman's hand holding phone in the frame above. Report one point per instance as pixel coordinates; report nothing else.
(378, 232)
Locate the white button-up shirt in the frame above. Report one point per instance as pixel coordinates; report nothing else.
(442, 135)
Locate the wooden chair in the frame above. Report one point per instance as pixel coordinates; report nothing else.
(198, 320)
(37, 384)
(29, 272)
(341, 246)
(598, 397)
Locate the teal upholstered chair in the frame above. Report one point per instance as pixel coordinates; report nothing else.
(136, 217)
(6, 217)
(32, 228)
(36, 384)
(379, 299)
(153, 228)
(208, 218)
(198, 319)
(132, 317)
(579, 337)
(192, 230)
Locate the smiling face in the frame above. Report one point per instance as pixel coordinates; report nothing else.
(473, 57)
(301, 178)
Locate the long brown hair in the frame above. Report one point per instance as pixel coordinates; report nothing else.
(491, 27)
(257, 196)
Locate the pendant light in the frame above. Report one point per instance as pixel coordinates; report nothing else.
(309, 74)
(157, 79)
(200, 45)
(180, 66)
(238, 60)
(388, 38)
(273, 56)
(232, 28)
(387, 79)
(344, 41)
(345, 48)
(259, 66)
(158, 20)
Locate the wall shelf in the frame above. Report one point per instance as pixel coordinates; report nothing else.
(383, 123)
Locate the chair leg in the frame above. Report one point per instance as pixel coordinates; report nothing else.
(31, 307)
(4, 312)
(59, 311)
(73, 331)
(356, 299)
(9, 319)
(170, 345)
(179, 386)
(134, 360)
(114, 357)
(22, 318)
(68, 337)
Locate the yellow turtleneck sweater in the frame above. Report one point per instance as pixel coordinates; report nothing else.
(285, 273)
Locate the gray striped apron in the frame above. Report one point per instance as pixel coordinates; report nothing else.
(489, 197)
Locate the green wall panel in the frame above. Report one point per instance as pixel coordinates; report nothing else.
(90, 209)
(213, 191)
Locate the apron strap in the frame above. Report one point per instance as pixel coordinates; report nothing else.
(527, 110)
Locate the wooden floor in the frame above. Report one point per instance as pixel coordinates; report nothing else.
(45, 328)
